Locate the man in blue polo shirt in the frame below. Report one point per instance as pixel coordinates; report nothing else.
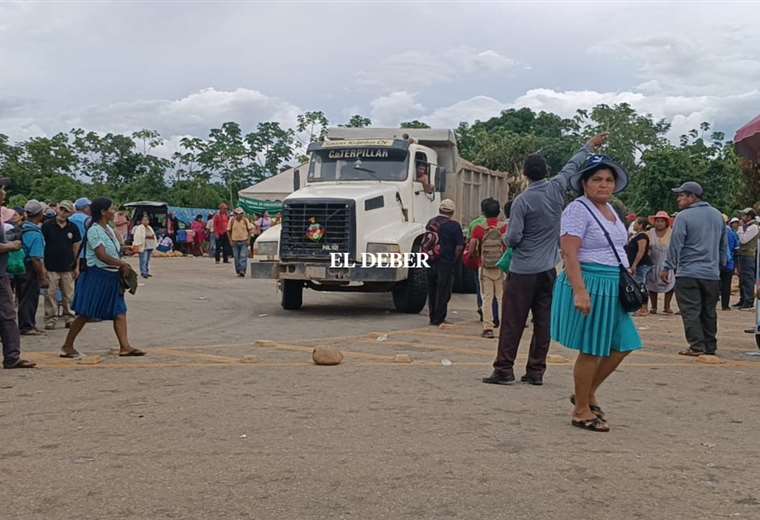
(36, 277)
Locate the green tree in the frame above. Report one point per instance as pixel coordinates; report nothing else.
(269, 147)
(314, 124)
(414, 124)
(358, 121)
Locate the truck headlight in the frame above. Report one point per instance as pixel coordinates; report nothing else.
(377, 247)
(265, 248)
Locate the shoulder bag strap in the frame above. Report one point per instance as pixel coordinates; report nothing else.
(606, 234)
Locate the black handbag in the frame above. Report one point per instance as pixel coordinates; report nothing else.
(633, 295)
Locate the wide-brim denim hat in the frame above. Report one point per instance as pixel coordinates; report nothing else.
(597, 162)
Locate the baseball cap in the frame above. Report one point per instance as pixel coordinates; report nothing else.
(691, 187)
(34, 208)
(734, 220)
(82, 203)
(448, 206)
(66, 205)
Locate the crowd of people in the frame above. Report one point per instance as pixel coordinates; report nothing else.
(692, 255)
(70, 255)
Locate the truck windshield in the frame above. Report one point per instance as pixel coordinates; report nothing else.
(358, 164)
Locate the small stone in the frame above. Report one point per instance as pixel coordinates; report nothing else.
(90, 360)
(402, 358)
(444, 326)
(264, 343)
(710, 360)
(248, 359)
(327, 356)
(383, 337)
(376, 335)
(446, 362)
(263, 315)
(556, 359)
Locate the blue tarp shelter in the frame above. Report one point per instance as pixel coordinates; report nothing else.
(187, 215)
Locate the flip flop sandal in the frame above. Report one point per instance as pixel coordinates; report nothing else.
(133, 352)
(596, 410)
(70, 355)
(594, 425)
(690, 352)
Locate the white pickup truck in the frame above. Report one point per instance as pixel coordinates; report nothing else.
(363, 194)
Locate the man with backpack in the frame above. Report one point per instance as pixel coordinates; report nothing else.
(534, 238)
(36, 277)
(443, 243)
(487, 246)
(9, 333)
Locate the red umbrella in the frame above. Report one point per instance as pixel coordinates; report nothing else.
(747, 140)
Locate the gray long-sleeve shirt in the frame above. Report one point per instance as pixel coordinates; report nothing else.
(698, 244)
(535, 218)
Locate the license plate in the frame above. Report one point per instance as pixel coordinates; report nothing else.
(315, 271)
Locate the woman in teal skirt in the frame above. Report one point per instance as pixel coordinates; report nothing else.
(586, 312)
(99, 294)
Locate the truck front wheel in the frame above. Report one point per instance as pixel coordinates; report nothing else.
(292, 294)
(410, 295)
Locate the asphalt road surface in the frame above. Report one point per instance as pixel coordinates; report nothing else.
(228, 418)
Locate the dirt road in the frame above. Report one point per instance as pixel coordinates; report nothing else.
(227, 418)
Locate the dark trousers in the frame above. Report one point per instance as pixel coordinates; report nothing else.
(28, 294)
(440, 283)
(524, 293)
(8, 328)
(725, 288)
(697, 300)
(223, 248)
(746, 279)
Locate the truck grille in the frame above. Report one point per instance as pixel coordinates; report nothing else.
(335, 217)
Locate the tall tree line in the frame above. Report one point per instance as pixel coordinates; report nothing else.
(205, 171)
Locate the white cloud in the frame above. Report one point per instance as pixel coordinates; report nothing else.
(394, 108)
(723, 62)
(193, 114)
(415, 69)
(478, 107)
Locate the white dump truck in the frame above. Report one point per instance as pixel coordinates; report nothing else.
(366, 193)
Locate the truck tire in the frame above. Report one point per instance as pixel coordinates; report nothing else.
(464, 279)
(292, 294)
(410, 295)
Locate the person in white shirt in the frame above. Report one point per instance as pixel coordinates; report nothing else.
(144, 242)
(748, 232)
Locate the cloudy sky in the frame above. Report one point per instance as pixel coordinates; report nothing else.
(184, 67)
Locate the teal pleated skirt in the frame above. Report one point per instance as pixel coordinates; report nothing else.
(607, 328)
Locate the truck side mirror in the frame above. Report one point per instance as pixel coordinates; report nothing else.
(440, 180)
(296, 180)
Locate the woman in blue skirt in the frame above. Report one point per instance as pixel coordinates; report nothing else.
(586, 312)
(99, 294)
